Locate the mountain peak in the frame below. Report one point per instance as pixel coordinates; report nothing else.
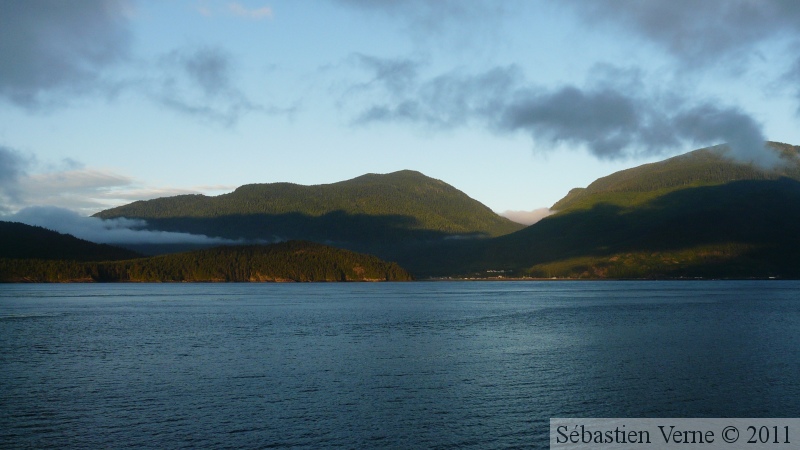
(373, 207)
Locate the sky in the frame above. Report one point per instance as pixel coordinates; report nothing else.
(105, 102)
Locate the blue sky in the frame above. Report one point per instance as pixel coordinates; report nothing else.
(105, 102)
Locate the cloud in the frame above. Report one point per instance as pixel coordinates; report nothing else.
(265, 12)
(204, 10)
(731, 34)
(707, 123)
(698, 33)
(13, 166)
(151, 192)
(82, 189)
(427, 16)
(527, 217)
(208, 68)
(792, 78)
(114, 231)
(55, 51)
(467, 26)
(199, 82)
(445, 101)
(90, 190)
(605, 119)
(613, 115)
(394, 75)
(616, 123)
(25, 182)
(52, 50)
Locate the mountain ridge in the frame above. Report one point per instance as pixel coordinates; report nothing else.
(695, 215)
(699, 214)
(372, 207)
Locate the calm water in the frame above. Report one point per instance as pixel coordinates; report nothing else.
(406, 365)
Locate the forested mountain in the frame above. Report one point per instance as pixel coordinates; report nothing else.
(18, 240)
(695, 215)
(289, 261)
(370, 209)
(704, 167)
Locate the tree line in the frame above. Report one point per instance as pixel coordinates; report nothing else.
(290, 261)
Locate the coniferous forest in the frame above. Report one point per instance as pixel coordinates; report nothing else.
(288, 261)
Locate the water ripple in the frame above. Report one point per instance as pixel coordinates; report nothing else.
(415, 365)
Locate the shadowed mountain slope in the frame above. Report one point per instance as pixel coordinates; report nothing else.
(18, 240)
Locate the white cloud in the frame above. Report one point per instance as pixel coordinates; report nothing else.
(237, 9)
(79, 180)
(85, 189)
(25, 182)
(114, 231)
(148, 193)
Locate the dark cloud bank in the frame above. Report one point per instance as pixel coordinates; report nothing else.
(13, 166)
(62, 49)
(708, 33)
(698, 32)
(52, 49)
(613, 115)
(611, 118)
(55, 51)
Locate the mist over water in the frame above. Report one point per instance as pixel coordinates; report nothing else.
(390, 365)
(107, 231)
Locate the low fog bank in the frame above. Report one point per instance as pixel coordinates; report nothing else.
(112, 231)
